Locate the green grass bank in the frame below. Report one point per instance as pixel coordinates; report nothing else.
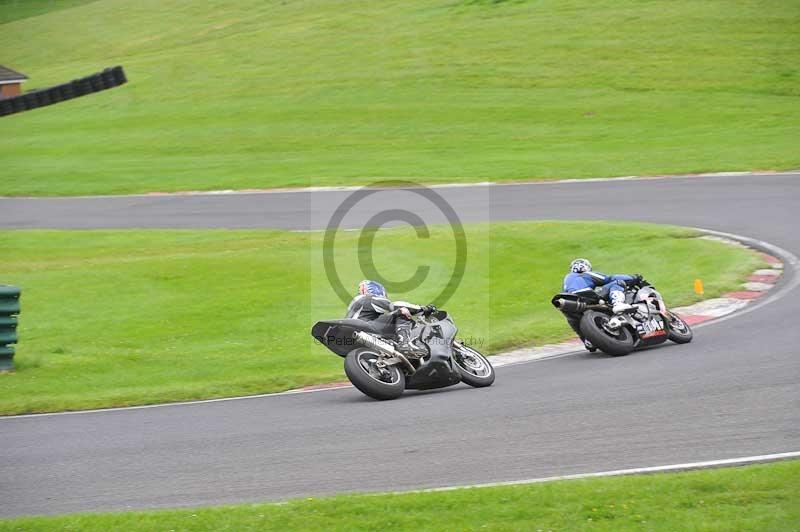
(242, 94)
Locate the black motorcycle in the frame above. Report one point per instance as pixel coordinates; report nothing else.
(379, 370)
(650, 322)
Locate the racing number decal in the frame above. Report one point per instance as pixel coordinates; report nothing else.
(651, 328)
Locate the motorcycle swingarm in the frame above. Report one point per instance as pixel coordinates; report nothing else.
(390, 361)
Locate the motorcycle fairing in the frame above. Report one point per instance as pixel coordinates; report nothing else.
(652, 331)
(438, 369)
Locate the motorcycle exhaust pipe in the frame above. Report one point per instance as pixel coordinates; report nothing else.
(367, 340)
(568, 305)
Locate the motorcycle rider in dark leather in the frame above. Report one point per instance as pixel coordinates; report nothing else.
(372, 303)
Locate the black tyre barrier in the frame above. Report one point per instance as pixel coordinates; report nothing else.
(96, 82)
(78, 89)
(86, 85)
(119, 75)
(30, 100)
(54, 94)
(42, 98)
(108, 78)
(17, 104)
(100, 81)
(65, 92)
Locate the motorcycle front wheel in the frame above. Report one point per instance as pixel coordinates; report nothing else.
(474, 368)
(616, 343)
(382, 383)
(679, 331)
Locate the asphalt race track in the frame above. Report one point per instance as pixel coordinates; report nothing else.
(731, 393)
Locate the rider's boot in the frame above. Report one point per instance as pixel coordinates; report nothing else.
(618, 302)
(405, 344)
(589, 346)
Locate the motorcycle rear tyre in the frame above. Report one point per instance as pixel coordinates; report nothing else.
(601, 339)
(369, 385)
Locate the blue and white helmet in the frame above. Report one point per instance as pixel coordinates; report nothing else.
(373, 288)
(580, 266)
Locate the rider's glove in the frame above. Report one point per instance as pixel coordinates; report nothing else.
(403, 311)
(637, 279)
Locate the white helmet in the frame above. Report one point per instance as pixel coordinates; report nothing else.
(580, 266)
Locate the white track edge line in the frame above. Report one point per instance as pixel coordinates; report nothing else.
(180, 403)
(786, 256)
(347, 188)
(688, 466)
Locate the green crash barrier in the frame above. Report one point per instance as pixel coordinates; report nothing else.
(9, 308)
(8, 330)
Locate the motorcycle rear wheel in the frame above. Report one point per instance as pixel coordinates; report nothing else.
(679, 330)
(474, 368)
(382, 384)
(615, 344)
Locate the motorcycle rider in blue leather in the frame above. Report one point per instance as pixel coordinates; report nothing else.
(581, 277)
(372, 302)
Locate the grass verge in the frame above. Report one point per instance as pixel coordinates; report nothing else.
(242, 94)
(116, 318)
(11, 10)
(761, 497)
